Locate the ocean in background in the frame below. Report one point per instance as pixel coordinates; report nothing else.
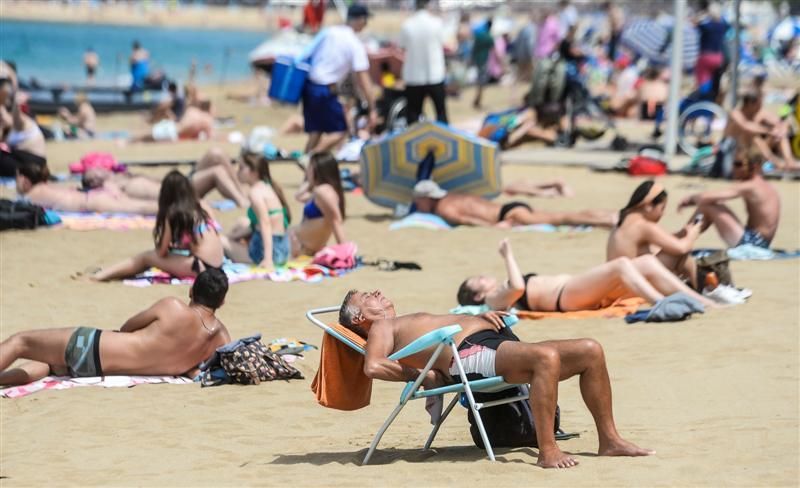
(53, 52)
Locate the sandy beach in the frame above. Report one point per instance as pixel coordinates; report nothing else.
(716, 396)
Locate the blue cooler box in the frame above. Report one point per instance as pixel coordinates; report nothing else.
(288, 78)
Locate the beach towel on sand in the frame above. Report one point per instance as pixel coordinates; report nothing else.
(65, 383)
(749, 252)
(419, 220)
(105, 221)
(620, 308)
(340, 382)
(300, 269)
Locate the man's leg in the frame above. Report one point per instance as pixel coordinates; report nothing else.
(217, 157)
(683, 266)
(313, 140)
(44, 346)
(24, 373)
(415, 96)
(328, 141)
(585, 357)
(439, 97)
(728, 226)
(523, 216)
(539, 366)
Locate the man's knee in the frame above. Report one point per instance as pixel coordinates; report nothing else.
(215, 154)
(17, 343)
(590, 348)
(545, 358)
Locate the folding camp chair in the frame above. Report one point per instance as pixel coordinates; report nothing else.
(441, 338)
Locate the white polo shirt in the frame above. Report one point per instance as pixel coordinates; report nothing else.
(423, 38)
(339, 53)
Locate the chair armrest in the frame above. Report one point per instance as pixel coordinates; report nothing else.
(433, 338)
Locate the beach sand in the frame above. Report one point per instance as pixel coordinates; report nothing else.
(715, 396)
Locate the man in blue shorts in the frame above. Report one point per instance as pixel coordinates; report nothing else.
(761, 199)
(339, 53)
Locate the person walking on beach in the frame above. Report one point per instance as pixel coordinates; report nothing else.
(339, 53)
(168, 338)
(140, 66)
(482, 46)
(422, 38)
(90, 61)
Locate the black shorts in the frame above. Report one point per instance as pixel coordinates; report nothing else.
(477, 353)
(509, 207)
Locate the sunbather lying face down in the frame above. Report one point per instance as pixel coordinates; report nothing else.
(498, 352)
(169, 338)
(600, 286)
(462, 209)
(638, 233)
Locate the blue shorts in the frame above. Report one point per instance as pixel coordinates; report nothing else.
(280, 248)
(321, 110)
(754, 238)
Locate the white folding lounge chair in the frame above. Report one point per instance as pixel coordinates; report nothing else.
(441, 338)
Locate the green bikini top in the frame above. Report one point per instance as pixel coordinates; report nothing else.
(251, 214)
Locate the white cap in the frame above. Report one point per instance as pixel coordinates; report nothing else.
(429, 189)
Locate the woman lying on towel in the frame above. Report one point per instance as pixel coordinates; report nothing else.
(596, 288)
(213, 171)
(33, 182)
(324, 209)
(638, 233)
(186, 237)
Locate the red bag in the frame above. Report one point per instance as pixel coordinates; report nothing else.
(338, 256)
(644, 166)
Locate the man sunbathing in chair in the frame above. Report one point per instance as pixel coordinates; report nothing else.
(463, 209)
(492, 350)
(169, 338)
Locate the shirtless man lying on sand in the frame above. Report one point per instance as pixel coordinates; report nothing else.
(760, 197)
(462, 209)
(542, 365)
(169, 338)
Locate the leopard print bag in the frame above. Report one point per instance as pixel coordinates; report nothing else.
(252, 363)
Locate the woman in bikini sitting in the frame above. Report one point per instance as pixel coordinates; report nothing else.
(598, 287)
(33, 182)
(324, 210)
(186, 237)
(266, 242)
(638, 233)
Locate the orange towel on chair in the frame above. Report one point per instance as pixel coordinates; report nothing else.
(340, 382)
(619, 308)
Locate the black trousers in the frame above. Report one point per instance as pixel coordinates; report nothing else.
(415, 96)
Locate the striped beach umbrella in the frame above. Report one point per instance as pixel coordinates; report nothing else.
(463, 163)
(652, 40)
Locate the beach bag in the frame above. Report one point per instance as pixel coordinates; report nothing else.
(648, 162)
(549, 82)
(20, 215)
(250, 363)
(717, 262)
(337, 256)
(289, 75)
(507, 425)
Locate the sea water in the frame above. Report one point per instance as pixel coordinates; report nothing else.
(53, 52)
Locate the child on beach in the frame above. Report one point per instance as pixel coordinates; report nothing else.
(186, 237)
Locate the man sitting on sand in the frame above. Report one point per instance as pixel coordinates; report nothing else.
(751, 125)
(497, 352)
(462, 209)
(169, 338)
(197, 123)
(761, 199)
(81, 124)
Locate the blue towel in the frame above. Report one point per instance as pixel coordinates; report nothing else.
(673, 308)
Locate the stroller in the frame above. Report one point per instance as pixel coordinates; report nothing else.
(558, 83)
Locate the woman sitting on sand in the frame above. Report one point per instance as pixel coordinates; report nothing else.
(186, 237)
(324, 210)
(638, 233)
(33, 182)
(213, 171)
(596, 288)
(268, 217)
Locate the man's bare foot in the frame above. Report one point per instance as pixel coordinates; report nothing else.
(622, 447)
(555, 459)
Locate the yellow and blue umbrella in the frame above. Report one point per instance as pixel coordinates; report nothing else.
(463, 163)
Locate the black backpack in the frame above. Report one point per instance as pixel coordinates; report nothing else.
(508, 425)
(20, 215)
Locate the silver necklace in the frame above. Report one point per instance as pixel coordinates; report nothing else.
(210, 331)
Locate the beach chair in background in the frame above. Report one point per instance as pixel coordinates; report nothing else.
(441, 339)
